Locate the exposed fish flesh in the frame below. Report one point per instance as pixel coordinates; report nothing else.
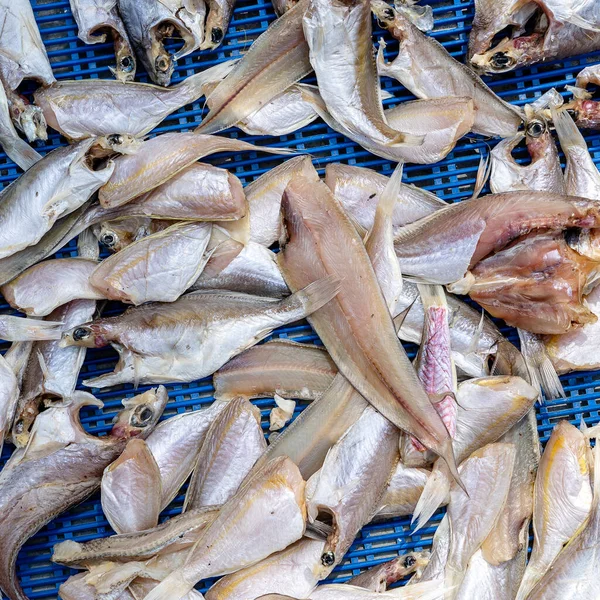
(356, 327)
(424, 66)
(96, 20)
(34, 484)
(217, 22)
(282, 367)
(585, 110)
(377, 579)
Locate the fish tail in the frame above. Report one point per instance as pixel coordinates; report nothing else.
(433, 496)
(20, 152)
(18, 329)
(314, 295)
(390, 194)
(530, 578)
(67, 552)
(108, 379)
(173, 587)
(568, 133)
(483, 174)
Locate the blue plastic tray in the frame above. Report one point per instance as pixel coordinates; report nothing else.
(452, 179)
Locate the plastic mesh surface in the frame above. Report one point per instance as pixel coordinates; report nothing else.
(452, 179)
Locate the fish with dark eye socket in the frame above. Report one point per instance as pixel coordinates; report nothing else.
(217, 22)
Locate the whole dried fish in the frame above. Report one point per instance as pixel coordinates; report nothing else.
(148, 23)
(281, 367)
(217, 22)
(356, 327)
(96, 20)
(176, 341)
(159, 267)
(34, 484)
(23, 57)
(428, 71)
(562, 500)
(131, 490)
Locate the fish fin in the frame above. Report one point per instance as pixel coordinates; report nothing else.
(43, 366)
(87, 245)
(172, 587)
(401, 317)
(318, 531)
(483, 174)
(579, 93)
(66, 553)
(385, 95)
(568, 133)
(362, 232)
(19, 329)
(108, 379)
(21, 153)
(389, 196)
(476, 338)
(434, 494)
(316, 294)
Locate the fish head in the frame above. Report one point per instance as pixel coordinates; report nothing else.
(510, 54)
(537, 136)
(387, 16)
(585, 112)
(585, 242)
(87, 335)
(115, 143)
(120, 233)
(140, 414)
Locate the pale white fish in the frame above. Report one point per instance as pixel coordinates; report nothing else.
(561, 503)
(131, 490)
(77, 588)
(19, 329)
(486, 474)
(267, 514)
(44, 287)
(419, 591)
(217, 22)
(11, 365)
(434, 571)
(156, 268)
(232, 445)
(421, 16)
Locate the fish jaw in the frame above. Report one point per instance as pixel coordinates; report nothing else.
(140, 414)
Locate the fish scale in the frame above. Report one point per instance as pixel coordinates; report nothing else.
(452, 179)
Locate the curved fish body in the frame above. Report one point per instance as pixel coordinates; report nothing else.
(282, 367)
(562, 501)
(157, 268)
(356, 328)
(82, 108)
(41, 289)
(35, 486)
(477, 227)
(267, 514)
(359, 190)
(52, 371)
(428, 71)
(131, 490)
(341, 53)
(23, 57)
(148, 23)
(232, 445)
(55, 186)
(217, 22)
(98, 19)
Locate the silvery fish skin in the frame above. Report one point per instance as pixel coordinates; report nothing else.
(543, 173)
(55, 186)
(420, 591)
(77, 588)
(217, 22)
(562, 501)
(282, 367)
(96, 20)
(254, 270)
(131, 490)
(271, 502)
(356, 328)
(43, 288)
(277, 59)
(582, 177)
(35, 486)
(161, 158)
(81, 108)
(359, 189)
(351, 482)
(19, 151)
(51, 371)
(10, 365)
(136, 546)
(428, 71)
(23, 56)
(487, 474)
(291, 571)
(480, 226)
(233, 443)
(117, 234)
(487, 408)
(149, 23)
(156, 268)
(18, 329)
(341, 53)
(377, 579)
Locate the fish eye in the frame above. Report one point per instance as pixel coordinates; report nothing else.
(388, 13)
(126, 64)
(536, 128)
(216, 35)
(501, 60)
(81, 333)
(409, 561)
(327, 558)
(574, 114)
(142, 416)
(162, 63)
(115, 139)
(108, 238)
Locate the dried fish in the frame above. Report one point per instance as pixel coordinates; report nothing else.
(119, 233)
(378, 578)
(586, 111)
(217, 22)
(18, 329)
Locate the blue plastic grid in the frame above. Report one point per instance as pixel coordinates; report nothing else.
(452, 179)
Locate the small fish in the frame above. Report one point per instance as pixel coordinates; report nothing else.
(233, 443)
(217, 22)
(149, 23)
(131, 490)
(377, 579)
(82, 108)
(421, 59)
(34, 484)
(277, 59)
(157, 268)
(23, 57)
(561, 503)
(41, 289)
(96, 21)
(282, 367)
(119, 233)
(78, 588)
(271, 502)
(356, 328)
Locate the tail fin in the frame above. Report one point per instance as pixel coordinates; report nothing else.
(434, 494)
(20, 152)
(389, 197)
(19, 329)
(173, 587)
(483, 174)
(315, 295)
(568, 133)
